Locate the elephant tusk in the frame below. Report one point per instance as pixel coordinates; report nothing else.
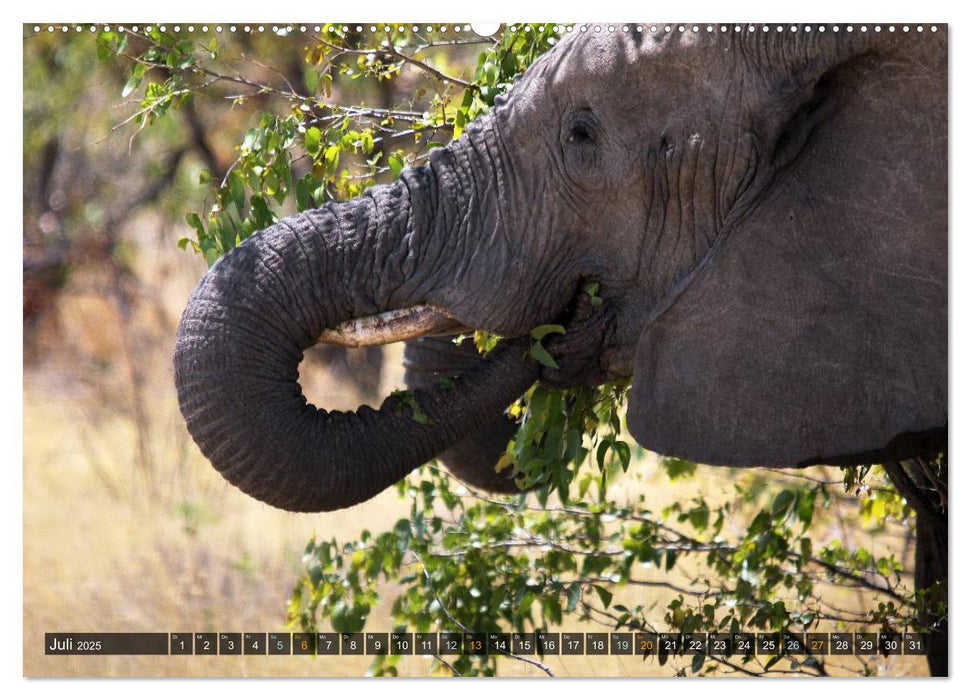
(392, 326)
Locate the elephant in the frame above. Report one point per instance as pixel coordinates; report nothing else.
(764, 212)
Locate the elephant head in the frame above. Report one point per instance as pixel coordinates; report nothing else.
(764, 212)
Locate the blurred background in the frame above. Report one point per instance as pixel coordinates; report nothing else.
(126, 526)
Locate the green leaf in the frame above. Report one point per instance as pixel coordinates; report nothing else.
(678, 468)
(806, 506)
(698, 516)
(303, 188)
(397, 163)
(446, 382)
(312, 80)
(367, 142)
(602, 453)
(670, 557)
(332, 157)
(573, 594)
(103, 43)
(195, 222)
(261, 213)
(237, 191)
(539, 353)
(541, 332)
(485, 342)
(591, 289)
(604, 595)
(349, 618)
(133, 82)
(622, 449)
(490, 71)
(311, 141)
(697, 662)
(782, 502)
(110, 44)
(251, 140)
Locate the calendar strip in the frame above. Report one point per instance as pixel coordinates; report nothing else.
(539, 643)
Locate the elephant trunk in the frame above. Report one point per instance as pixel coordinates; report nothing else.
(474, 459)
(242, 336)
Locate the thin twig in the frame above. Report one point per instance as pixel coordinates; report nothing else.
(534, 662)
(457, 42)
(389, 48)
(804, 477)
(145, 110)
(637, 582)
(735, 667)
(448, 665)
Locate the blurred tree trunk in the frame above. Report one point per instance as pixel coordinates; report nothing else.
(924, 484)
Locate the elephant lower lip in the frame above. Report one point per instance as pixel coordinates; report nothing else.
(392, 326)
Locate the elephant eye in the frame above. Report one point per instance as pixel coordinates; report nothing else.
(582, 129)
(581, 133)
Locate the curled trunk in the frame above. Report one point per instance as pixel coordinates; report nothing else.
(474, 459)
(244, 330)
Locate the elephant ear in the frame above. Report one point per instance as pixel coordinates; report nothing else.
(815, 329)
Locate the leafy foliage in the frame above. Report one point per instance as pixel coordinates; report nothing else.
(580, 546)
(464, 562)
(312, 149)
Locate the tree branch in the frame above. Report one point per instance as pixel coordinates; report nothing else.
(389, 48)
(908, 489)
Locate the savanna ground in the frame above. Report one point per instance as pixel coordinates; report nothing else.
(126, 526)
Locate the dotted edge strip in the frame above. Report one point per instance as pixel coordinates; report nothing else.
(287, 29)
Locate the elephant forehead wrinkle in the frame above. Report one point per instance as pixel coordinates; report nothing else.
(680, 212)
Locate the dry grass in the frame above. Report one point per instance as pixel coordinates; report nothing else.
(127, 528)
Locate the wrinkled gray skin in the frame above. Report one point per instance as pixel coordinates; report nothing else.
(766, 216)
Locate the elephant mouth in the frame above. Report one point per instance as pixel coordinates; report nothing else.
(393, 326)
